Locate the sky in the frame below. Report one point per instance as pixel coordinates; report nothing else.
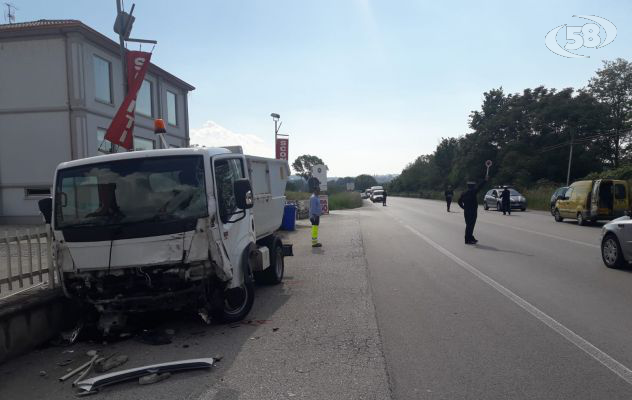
(366, 85)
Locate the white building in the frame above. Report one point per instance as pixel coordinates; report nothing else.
(61, 83)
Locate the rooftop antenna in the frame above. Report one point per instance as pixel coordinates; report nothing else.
(9, 15)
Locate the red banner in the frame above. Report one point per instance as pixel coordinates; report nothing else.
(121, 130)
(282, 148)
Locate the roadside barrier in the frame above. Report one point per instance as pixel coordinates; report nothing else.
(26, 261)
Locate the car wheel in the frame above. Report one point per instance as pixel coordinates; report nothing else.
(485, 206)
(611, 252)
(557, 215)
(553, 210)
(580, 219)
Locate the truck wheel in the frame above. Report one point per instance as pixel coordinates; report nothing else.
(557, 215)
(237, 302)
(611, 252)
(580, 219)
(273, 275)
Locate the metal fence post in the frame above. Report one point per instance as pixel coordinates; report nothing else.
(49, 248)
(19, 249)
(39, 254)
(10, 273)
(30, 248)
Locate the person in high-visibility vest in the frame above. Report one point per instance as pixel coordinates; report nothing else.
(314, 215)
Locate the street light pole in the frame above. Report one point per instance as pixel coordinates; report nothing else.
(570, 160)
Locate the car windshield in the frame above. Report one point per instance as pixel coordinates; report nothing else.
(131, 191)
(514, 192)
(378, 192)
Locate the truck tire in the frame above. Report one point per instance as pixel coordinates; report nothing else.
(273, 275)
(237, 302)
(611, 253)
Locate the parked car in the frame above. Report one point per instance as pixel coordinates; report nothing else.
(601, 199)
(492, 200)
(377, 196)
(559, 192)
(616, 251)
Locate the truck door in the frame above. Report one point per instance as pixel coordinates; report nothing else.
(235, 224)
(620, 198)
(594, 198)
(563, 204)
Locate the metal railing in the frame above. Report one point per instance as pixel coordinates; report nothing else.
(26, 260)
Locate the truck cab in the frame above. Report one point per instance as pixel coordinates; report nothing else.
(168, 229)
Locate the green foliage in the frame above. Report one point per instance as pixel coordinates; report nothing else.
(345, 200)
(303, 165)
(295, 196)
(527, 137)
(624, 172)
(364, 181)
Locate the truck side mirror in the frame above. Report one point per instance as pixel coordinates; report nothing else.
(243, 194)
(46, 208)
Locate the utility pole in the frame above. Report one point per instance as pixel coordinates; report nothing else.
(570, 160)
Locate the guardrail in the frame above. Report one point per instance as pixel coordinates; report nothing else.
(26, 260)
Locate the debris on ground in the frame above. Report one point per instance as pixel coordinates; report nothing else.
(42, 373)
(65, 362)
(218, 358)
(154, 338)
(275, 329)
(106, 364)
(82, 367)
(185, 346)
(170, 332)
(204, 315)
(153, 378)
(133, 373)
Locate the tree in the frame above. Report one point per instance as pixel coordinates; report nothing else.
(363, 182)
(613, 86)
(303, 165)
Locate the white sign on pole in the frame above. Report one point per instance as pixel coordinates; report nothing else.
(320, 172)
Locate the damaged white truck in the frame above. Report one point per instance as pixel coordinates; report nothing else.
(168, 229)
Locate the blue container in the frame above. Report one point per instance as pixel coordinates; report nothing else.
(289, 218)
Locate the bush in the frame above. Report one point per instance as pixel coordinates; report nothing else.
(345, 200)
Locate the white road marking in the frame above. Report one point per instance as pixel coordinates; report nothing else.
(609, 362)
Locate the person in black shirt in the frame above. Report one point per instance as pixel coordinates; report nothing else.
(449, 193)
(384, 198)
(469, 203)
(506, 200)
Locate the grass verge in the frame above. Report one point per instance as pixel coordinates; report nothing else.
(344, 200)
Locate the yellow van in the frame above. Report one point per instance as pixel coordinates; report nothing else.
(602, 199)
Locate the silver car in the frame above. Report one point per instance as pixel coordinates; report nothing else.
(616, 240)
(492, 200)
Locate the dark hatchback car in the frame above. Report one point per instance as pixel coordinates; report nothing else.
(556, 194)
(492, 200)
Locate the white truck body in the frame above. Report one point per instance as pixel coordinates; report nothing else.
(159, 229)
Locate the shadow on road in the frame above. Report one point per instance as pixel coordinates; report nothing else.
(484, 247)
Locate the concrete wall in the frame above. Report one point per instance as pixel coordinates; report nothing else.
(30, 319)
(34, 131)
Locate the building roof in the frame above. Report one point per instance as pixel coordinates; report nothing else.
(61, 26)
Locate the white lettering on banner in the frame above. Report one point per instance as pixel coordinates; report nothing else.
(138, 65)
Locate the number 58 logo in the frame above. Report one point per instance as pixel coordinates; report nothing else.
(590, 35)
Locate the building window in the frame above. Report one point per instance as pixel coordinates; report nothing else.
(102, 79)
(32, 193)
(143, 144)
(171, 108)
(144, 99)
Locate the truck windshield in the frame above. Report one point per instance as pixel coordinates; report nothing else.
(131, 191)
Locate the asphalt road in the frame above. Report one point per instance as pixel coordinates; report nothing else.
(528, 313)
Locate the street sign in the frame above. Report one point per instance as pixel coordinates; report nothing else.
(488, 164)
(320, 172)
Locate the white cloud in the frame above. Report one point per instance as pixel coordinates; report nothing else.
(213, 135)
